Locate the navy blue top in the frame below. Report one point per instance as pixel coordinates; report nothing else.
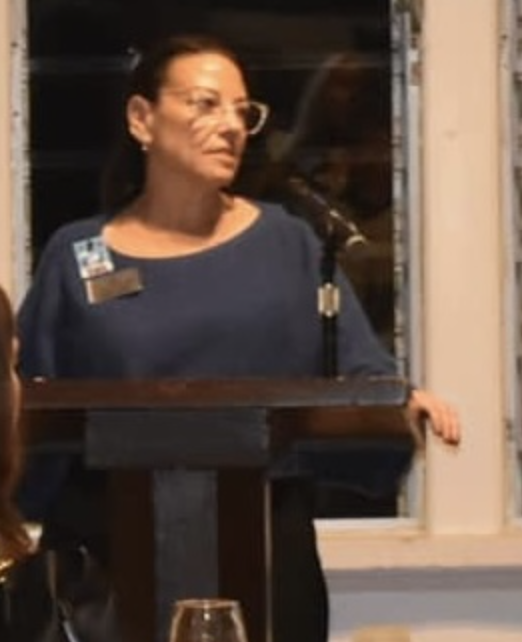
(247, 307)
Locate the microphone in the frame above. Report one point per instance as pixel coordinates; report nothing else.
(324, 217)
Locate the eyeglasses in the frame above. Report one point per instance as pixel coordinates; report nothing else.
(207, 103)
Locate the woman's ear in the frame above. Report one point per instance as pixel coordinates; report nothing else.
(139, 118)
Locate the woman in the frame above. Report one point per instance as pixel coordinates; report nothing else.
(182, 278)
(14, 541)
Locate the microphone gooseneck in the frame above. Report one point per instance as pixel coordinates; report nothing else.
(324, 217)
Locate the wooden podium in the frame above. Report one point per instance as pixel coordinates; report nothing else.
(188, 461)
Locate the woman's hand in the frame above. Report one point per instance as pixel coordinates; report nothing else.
(443, 418)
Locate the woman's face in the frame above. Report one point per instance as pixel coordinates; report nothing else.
(195, 127)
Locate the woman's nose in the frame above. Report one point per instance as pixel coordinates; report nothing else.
(232, 116)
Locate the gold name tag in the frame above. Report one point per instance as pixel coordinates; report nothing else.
(113, 285)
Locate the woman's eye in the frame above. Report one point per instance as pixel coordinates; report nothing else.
(206, 104)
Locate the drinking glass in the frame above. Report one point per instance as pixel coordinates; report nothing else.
(207, 620)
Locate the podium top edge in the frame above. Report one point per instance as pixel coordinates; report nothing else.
(90, 394)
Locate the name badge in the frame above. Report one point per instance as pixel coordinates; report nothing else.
(113, 285)
(93, 257)
(96, 268)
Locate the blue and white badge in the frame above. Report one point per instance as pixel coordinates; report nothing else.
(92, 257)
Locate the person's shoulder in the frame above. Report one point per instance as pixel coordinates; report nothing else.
(77, 230)
(279, 218)
(272, 209)
(61, 240)
(279, 215)
(68, 233)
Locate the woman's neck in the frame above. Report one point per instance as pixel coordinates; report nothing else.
(156, 226)
(197, 215)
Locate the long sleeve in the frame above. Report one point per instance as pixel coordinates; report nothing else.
(39, 318)
(39, 328)
(360, 350)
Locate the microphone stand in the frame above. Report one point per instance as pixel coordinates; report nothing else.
(337, 233)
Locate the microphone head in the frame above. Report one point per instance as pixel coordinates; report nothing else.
(326, 220)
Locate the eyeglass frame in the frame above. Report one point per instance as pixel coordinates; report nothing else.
(220, 106)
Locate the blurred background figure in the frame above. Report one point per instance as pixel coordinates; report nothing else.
(14, 541)
(341, 144)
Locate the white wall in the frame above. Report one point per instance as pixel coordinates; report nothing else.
(6, 271)
(14, 254)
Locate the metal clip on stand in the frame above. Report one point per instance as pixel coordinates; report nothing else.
(329, 305)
